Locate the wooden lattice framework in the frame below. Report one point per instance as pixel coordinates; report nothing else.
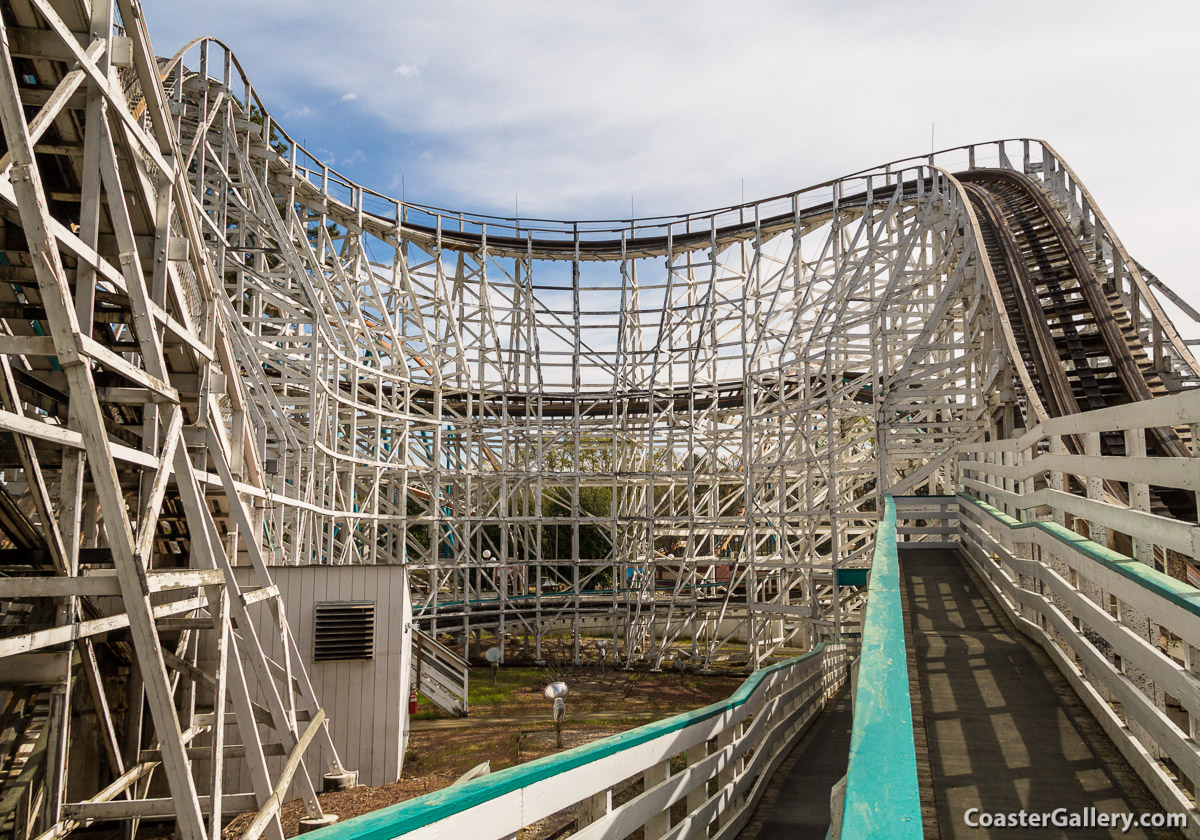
(121, 498)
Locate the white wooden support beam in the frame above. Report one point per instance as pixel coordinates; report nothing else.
(65, 330)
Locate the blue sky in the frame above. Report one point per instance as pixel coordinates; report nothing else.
(574, 107)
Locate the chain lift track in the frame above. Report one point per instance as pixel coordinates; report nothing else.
(1076, 333)
(672, 433)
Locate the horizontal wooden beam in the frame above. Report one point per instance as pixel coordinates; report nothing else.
(36, 669)
(105, 583)
(163, 808)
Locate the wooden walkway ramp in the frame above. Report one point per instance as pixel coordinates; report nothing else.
(997, 727)
(1003, 730)
(796, 804)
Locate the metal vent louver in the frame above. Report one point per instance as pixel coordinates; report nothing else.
(344, 630)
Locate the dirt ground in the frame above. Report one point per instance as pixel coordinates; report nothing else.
(510, 724)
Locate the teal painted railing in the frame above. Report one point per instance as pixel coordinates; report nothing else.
(882, 799)
(1163, 585)
(402, 818)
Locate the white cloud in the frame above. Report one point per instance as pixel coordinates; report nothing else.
(406, 71)
(349, 97)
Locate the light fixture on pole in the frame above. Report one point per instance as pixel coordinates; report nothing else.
(556, 692)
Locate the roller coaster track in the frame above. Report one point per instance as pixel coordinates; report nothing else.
(217, 350)
(1076, 336)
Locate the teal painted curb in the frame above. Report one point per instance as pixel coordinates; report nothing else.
(882, 798)
(1176, 591)
(397, 820)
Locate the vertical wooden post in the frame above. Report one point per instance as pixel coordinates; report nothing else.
(658, 825)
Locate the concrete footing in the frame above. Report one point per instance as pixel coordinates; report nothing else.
(345, 780)
(313, 823)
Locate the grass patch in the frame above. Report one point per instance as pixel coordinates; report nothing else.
(491, 698)
(481, 692)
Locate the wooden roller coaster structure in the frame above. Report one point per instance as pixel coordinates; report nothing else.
(217, 351)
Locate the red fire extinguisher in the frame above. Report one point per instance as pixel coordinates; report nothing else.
(412, 702)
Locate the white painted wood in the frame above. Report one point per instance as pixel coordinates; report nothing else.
(810, 682)
(367, 725)
(1059, 592)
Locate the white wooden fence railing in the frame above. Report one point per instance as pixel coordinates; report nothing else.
(442, 675)
(734, 745)
(1076, 570)
(929, 520)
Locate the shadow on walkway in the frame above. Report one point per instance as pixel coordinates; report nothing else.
(795, 805)
(1005, 731)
